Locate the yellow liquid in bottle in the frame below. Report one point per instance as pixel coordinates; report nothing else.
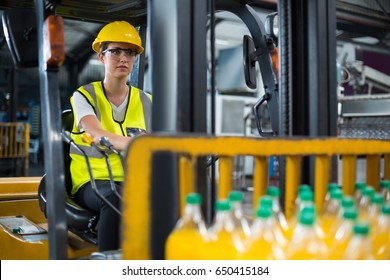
(381, 245)
(381, 236)
(307, 249)
(329, 225)
(223, 246)
(343, 235)
(341, 240)
(263, 248)
(360, 246)
(306, 244)
(185, 244)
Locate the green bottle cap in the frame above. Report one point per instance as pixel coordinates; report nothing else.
(309, 209)
(266, 201)
(360, 186)
(347, 202)
(193, 198)
(369, 191)
(361, 229)
(336, 194)
(222, 205)
(235, 196)
(304, 187)
(350, 213)
(333, 186)
(273, 191)
(263, 212)
(385, 184)
(306, 218)
(386, 209)
(378, 198)
(306, 196)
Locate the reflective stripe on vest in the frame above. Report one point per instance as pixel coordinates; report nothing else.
(138, 115)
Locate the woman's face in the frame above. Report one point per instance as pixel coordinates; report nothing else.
(118, 59)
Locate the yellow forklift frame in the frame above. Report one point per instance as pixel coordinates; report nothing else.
(137, 191)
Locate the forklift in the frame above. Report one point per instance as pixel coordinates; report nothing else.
(281, 48)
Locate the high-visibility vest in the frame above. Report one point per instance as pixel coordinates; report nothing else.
(138, 116)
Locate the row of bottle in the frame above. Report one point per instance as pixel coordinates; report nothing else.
(347, 227)
(337, 232)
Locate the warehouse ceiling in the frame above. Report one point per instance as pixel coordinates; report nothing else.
(362, 22)
(82, 21)
(365, 22)
(93, 15)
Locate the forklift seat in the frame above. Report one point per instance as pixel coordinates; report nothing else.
(80, 221)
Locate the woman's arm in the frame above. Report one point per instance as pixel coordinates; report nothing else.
(91, 125)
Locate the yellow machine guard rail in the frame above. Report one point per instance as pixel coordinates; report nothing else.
(137, 191)
(14, 142)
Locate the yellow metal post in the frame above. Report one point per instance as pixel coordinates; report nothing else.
(387, 167)
(321, 179)
(186, 179)
(293, 177)
(260, 179)
(372, 171)
(349, 174)
(225, 177)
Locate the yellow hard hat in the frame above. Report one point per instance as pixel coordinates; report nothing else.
(118, 31)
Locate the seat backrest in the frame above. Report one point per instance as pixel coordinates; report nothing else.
(67, 124)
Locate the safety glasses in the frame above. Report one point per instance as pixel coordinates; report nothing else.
(118, 52)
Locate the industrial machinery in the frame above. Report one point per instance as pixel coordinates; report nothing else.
(300, 100)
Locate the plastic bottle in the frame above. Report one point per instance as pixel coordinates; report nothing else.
(240, 222)
(266, 201)
(301, 188)
(331, 187)
(190, 233)
(385, 189)
(381, 236)
(346, 202)
(305, 243)
(262, 243)
(274, 192)
(306, 199)
(330, 215)
(365, 202)
(359, 187)
(374, 210)
(225, 241)
(317, 226)
(360, 247)
(343, 234)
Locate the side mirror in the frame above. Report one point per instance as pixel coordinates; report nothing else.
(249, 63)
(271, 25)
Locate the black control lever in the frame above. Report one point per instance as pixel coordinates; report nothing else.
(106, 143)
(66, 136)
(88, 139)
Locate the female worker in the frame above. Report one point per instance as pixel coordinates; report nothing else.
(113, 109)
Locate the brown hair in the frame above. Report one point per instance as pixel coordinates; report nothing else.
(104, 46)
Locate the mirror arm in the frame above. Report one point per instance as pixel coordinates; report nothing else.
(255, 56)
